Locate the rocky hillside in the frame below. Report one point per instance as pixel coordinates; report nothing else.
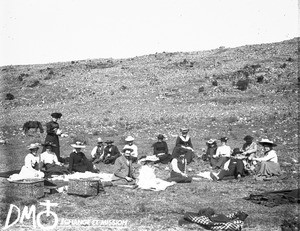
(227, 91)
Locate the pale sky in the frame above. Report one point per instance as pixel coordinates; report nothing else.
(45, 31)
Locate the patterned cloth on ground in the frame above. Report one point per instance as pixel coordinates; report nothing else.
(233, 221)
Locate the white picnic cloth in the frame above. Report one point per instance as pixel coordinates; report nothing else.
(83, 175)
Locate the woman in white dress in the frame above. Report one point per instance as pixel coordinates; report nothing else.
(31, 168)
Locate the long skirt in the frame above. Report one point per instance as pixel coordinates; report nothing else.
(218, 162)
(177, 177)
(53, 169)
(83, 167)
(164, 159)
(268, 168)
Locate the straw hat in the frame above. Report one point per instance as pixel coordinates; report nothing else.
(211, 141)
(78, 144)
(33, 146)
(184, 130)
(267, 142)
(99, 140)
(129, 138)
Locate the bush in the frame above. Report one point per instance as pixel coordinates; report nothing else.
(242, 84)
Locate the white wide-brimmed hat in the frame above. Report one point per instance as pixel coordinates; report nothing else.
(211, 141)
(33, 146)
(78, 144)
(99, 140)
(129, 138)
(267, 142)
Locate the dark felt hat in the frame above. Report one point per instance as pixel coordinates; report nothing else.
(224, 139)
(109, 141)
(56, 115)
(248, 138)
(48, 143)
(160, 136)
(236, 151)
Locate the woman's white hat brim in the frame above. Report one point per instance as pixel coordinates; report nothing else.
(267, 142)
(129, 138)
(77, 146)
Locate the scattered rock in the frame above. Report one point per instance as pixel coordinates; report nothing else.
(9, 96)
(283, 66)
(33, 83)
(260, 79)
(214, 83)
(123, 88)
(290, 59)
(201, 89)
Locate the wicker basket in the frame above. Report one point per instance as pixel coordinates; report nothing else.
(29, 188)
(85, 187)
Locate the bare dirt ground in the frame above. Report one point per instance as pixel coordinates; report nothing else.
(160, 93)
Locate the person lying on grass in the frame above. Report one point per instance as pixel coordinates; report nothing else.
(78, 161)
(123, 169)
(178, 172)
(222, 154)
(160, 149)
(50, 162)
(233, 167)
(31, 168)
(184, 141)
(268, 164)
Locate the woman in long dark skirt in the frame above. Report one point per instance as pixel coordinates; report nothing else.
(178, 172)
(53, 133)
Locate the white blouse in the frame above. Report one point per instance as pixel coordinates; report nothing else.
(31, 160)
(223, 151)
(134, 148)
(49, 158)
(271, 156)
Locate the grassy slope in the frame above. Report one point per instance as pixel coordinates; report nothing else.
(159, 93)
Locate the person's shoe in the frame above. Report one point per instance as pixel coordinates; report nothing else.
(238, 178)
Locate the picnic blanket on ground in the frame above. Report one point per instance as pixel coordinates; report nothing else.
(275, 198)
(230, 222)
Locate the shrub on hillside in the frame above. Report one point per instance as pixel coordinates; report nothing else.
(242, 84)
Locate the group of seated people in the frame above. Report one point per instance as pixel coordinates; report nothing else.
(237, 163)
(242, 162)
